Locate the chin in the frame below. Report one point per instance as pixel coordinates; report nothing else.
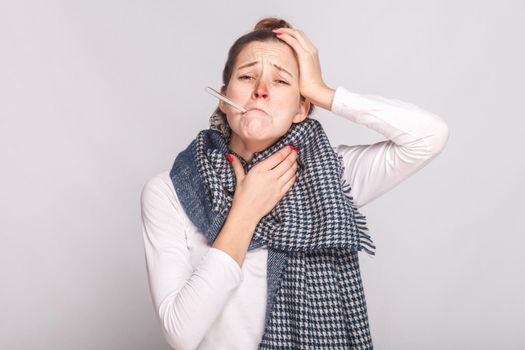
(258, 137)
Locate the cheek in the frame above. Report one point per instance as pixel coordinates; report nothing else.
(237, 89)
(289, 102)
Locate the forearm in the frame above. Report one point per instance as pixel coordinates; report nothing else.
(236, 235)
(188, 299)
(322, 97)
(404, 123)
(415, 136)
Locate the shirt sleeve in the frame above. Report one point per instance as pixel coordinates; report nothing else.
(414, 138)
(187, 300)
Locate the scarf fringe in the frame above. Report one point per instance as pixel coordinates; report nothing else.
(365, 240)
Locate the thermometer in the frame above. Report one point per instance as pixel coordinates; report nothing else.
(225, 99)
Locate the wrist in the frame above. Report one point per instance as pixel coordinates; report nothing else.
(323, 97)
(241, 217)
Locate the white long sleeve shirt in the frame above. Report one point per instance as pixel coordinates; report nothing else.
(202, 297)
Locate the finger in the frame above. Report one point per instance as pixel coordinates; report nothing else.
(303, 38)
(276, 158)
(292, 41)
(237, 168)
(286, 164)
(289, 173)
(288, 185)
(298, 35)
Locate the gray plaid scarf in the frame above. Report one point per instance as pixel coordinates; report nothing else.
(315, 293)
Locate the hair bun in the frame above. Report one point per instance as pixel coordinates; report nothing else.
(270, 23)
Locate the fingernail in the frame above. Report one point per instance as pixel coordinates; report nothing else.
(291, 147)
(277, 33)
(229, 157)
(296, 150)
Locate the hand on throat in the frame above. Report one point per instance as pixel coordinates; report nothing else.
(246, 148)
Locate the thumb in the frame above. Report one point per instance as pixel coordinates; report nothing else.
(237, 167)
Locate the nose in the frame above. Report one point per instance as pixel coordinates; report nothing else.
(260, 90)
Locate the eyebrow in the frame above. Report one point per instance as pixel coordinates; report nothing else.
(276, 66)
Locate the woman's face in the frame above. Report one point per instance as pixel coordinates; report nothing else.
(265, 78)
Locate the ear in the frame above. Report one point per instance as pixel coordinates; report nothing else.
(302, 113)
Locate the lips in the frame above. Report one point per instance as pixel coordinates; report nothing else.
(256, 109)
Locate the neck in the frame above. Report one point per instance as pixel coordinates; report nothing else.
(246, 148)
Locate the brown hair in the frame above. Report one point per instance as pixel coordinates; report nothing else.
(262, 32)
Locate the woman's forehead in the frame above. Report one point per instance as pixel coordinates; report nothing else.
(268, 53)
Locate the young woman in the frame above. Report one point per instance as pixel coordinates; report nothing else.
(251, 238)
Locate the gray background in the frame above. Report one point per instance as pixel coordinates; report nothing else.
(98, 96)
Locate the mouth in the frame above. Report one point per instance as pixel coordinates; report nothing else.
(258, 110)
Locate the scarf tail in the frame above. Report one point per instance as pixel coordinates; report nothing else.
(365, 240)
(302, 318)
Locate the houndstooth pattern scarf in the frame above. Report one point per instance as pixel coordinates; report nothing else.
(315, 292)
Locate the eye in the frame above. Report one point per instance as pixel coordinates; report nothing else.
(242, 77)
(282, 81)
